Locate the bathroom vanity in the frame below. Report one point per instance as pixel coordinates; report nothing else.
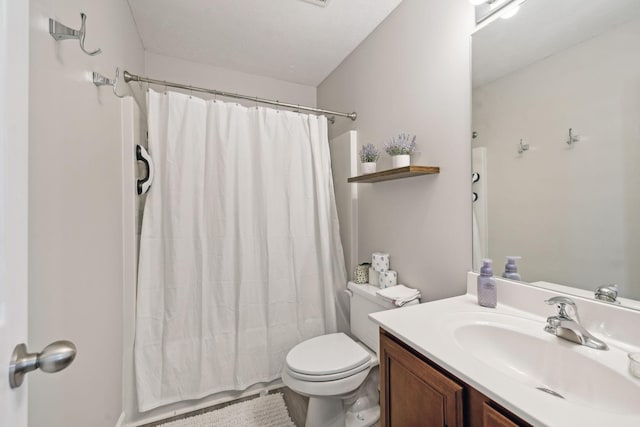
(415, 391)
(453, 363)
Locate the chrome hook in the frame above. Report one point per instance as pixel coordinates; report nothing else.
(100, 80)
(115, 83)
(83, 32)
(60, 31)
(522, 147)
(573, 138)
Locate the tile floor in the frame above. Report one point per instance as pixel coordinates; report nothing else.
(296, 404)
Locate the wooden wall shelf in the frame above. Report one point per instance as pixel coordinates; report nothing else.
(397, 173)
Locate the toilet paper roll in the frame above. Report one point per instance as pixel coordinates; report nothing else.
(380, 261)
(387, 279)
(374, 277)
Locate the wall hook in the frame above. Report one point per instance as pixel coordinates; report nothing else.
(522, 147)
(100, 80)
(60, 31)
(573, 138)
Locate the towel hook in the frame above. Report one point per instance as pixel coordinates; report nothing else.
(100, 80)
(522, 147)
(573, 138)
(60, 31)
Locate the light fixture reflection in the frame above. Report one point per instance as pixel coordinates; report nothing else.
(510, 11)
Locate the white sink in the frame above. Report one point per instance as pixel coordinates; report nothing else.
(519, 348)
(505, 354)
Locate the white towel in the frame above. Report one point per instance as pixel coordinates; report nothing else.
(399, 294)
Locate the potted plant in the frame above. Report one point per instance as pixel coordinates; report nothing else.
(369, 155)
(400, 149)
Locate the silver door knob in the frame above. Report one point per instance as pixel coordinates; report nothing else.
(55, 357)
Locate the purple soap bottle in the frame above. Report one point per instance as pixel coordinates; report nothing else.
(487, 292)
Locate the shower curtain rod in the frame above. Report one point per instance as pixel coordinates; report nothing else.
(128, 77)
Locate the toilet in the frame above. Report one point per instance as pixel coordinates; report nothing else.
(330, 369)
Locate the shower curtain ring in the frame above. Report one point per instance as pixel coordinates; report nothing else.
(165, 87)
(277, 106)
(256, 102)
(190, 92)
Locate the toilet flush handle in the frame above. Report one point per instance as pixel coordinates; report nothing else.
(348, 292)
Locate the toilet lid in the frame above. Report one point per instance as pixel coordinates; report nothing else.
(327, 354)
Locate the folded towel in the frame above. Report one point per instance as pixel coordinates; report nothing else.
(399, 294)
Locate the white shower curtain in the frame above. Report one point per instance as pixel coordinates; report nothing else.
(240, 253)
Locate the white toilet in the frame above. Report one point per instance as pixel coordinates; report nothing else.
(330, 369)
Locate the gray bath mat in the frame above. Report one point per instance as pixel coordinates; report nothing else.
(263, 411)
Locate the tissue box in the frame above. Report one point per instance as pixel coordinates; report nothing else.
(374, 277)
(387, 279)
(380, 261)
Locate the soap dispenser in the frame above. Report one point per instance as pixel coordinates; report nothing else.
(511, 269)
(487, 291)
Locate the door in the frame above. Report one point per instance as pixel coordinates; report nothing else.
(14, 81)
(412, 393)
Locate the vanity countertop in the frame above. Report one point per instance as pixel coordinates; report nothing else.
(433, 329)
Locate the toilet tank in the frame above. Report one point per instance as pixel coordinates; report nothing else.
(364, 301)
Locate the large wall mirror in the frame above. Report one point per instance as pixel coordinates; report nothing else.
(556, 115)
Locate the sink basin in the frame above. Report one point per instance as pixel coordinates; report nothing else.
(520, 349)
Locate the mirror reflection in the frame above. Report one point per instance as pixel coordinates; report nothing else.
(556, 119)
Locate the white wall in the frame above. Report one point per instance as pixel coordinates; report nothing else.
(412, 74)
(571, 212)
(207, 76)
(75, 212)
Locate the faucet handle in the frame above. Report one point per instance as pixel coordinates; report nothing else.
(562, 303)
(608, 293)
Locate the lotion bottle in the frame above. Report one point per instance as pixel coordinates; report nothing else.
(487, 291)
(511, 269)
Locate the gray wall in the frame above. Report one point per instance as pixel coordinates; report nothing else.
(412, 74)
(182, 71)
(75, 210)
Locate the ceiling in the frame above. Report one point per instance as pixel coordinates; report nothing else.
(540, 29)
(291, 40)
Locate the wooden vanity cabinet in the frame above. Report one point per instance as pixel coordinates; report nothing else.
(414, 391)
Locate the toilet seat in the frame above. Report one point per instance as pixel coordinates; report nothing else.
(327, 358)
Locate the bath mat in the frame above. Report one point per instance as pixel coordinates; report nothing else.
(263, 411)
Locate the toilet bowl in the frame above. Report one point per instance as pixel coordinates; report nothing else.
(330, 369)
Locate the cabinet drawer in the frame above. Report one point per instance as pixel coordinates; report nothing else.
(492, 418)
(415, 394)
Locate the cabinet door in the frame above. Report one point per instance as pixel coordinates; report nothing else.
(412, 393)
(492, 418)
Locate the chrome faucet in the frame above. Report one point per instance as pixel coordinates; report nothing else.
(564, 326)
(607, 293)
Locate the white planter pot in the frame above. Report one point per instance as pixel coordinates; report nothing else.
(368, 167)
(401, 160)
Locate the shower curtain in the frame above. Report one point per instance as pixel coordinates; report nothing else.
(240, 253)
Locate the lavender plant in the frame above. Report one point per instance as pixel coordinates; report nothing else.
(369, 153)
(402, 144)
